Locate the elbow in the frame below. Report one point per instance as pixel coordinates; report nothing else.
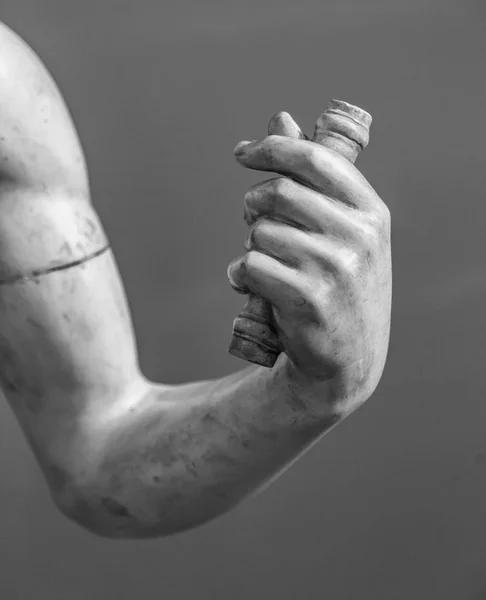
(103, 513)
(88, 503)
(82, 505)
(84, 510)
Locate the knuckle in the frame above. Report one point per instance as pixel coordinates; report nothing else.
(249, 196)
(272, 140)
(385, 217)
(262, 226)
(253, 191)
(254, 200)
(366, 234)
(267, 198)
(307, 291)
(374, 228)
(257, 233)
(249, 205)
(263, 231)
(270, 147)
(380, 214)
(349, 261)
(278, 194)
(362, 259)
(281, 186)
(379, 236)
(309, 297)
(385, 211)
(313, 156)
(251, 263)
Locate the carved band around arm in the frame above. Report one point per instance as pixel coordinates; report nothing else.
(41, 272)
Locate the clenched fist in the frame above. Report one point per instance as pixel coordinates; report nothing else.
(318, 250)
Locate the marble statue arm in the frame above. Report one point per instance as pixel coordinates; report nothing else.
(129, 458)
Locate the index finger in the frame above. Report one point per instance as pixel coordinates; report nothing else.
(312, 165)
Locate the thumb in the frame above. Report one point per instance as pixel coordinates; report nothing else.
(283, 124)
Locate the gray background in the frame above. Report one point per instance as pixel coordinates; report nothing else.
(391, 505)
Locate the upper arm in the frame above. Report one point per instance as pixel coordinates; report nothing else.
(38, 142)
(66, 337)
(46, 217)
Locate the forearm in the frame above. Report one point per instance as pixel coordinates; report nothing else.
(122, 456)
(176, 457)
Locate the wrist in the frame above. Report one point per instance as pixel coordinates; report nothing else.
(305, 403)
(330, 397)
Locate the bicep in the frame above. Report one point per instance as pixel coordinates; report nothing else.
(66, 332)
(60, 291)
(67, 347)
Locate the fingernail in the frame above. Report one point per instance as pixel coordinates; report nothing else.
(240, 148)
(248, 240)
(237, 288)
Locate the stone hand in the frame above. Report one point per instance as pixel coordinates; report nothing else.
(318, 250)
